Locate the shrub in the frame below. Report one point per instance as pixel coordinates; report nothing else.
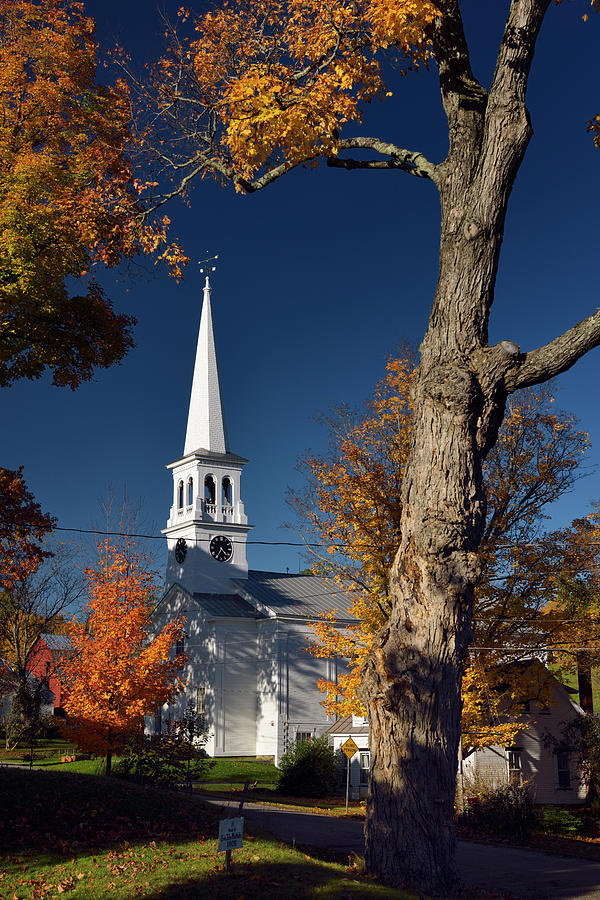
(175, 756)
(157, 759)
(308, 769)
(555, 820)
(506, 810)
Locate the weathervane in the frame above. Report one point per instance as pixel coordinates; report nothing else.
(204, 263)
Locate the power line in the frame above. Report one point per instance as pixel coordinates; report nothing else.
(161, 537)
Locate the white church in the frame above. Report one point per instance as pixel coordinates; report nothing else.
(246, 631)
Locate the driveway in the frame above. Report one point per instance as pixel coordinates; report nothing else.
(522, 873)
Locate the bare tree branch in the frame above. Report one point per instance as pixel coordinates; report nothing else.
(556, 357)
(410, 161)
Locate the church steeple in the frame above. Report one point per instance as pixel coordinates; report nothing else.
(207, 526)
(206, 424)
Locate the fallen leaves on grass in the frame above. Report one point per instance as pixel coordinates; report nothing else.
(81, 819)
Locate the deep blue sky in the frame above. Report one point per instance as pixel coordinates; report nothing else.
(320, 276)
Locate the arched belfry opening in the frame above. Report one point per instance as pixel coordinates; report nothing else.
(210, 494)
(190, 491)
(180, 495)
(226, 495)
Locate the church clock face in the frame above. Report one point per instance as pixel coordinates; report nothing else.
(221, 548)
(180, 550)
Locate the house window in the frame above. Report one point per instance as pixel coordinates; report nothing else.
(179, 647)
(180, 495)
(365, 767)
(190, 491)
(515, 771)
(305, 736)
(564, 771)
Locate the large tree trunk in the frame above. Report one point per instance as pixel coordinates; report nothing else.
(412, 678)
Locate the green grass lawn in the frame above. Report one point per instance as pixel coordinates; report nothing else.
(92, 836)
(226, 771)
(237, 770)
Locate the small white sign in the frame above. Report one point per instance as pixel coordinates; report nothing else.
(230, 834)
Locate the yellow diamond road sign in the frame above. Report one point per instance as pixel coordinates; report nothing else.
(349, 748)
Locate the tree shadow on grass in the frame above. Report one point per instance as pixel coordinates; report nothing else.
(291, 880)
(60, 812)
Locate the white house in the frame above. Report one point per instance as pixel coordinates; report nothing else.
(247, 632)
(552, 777)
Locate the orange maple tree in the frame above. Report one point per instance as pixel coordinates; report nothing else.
(68, 198)
(117, 673)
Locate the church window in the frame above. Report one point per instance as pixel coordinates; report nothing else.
(179, 647)
(180, 495)
(190, 491)
(227, 491)
(209, 490)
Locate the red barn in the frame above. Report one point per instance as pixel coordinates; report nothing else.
(45, 656)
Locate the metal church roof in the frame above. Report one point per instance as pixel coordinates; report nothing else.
(227, 605)
(306, 596)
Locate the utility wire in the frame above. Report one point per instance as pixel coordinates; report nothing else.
(161, 537)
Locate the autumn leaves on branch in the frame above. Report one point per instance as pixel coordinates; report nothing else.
(68, 198)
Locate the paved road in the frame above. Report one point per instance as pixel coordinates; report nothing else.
(522, 873)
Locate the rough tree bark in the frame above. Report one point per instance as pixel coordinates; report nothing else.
(412, 679)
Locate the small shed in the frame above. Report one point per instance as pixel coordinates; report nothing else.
(44, 660)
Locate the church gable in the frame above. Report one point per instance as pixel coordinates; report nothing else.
(175, 602)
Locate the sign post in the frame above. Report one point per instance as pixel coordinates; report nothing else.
(230, 837)
(349, 748)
